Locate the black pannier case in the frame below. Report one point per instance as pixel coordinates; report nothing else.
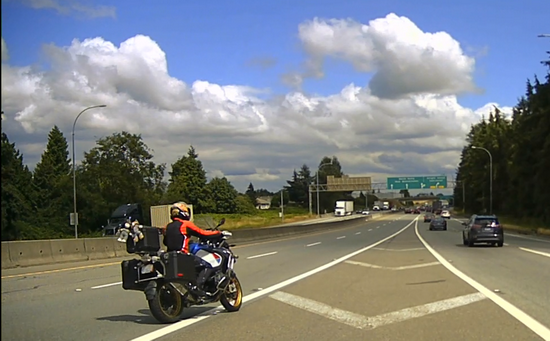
(179, 266)
(149, 243)
(131, 275)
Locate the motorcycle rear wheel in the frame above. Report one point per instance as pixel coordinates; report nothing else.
(232, 298)
(167, 305)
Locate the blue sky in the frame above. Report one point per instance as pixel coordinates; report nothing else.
(218, 40)
(253, 43)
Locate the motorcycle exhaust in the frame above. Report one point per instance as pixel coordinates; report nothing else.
(224, 282)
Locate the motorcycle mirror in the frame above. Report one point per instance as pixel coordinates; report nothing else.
(222, 222)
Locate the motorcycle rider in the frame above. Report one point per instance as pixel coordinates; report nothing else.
(176, 238)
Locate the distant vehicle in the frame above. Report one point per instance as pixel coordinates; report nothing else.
(376, 208)
(416, 211)
(394, 209)
(483, 229)
(343, 208)
(438, 223)
(446, 214)
(428, 217)
(119, 217)
(365, 212)
(408, 210)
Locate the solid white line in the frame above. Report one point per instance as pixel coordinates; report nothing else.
(406, 267)
(425, 309)
(535, 252)
(262, 255)
(313, 244)
(363, 322)
(526, 238)
(106, 285)
(517, 313)
(341, 237)
(185, 323)
(358, 233)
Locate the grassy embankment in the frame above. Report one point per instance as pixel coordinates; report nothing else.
(521, 226)
(261, 218)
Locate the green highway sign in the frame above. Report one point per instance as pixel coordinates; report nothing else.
(417, 182)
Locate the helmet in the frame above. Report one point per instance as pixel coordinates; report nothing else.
(180, 210)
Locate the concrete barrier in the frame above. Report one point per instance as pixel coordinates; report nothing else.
(41, 252)
(67, 250)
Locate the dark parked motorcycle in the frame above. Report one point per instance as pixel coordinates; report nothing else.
(167, 278)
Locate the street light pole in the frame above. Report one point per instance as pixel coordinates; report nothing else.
(321, 165)
(75, 218)
(490, 178)
(282, 207)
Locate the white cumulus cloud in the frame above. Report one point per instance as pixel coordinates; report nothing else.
(407, 120)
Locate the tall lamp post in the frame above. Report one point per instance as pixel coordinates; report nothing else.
(320, 166)
(75, 218)
(490, 177)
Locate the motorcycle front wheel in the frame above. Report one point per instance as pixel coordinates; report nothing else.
(232, 298)
(167, 305)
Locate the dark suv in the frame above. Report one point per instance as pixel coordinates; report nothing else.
(483, 229)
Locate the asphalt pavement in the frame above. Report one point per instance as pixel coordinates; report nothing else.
(85, 300)
(386, 279)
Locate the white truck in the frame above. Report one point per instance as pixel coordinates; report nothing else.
(386, 205)
(343, 208)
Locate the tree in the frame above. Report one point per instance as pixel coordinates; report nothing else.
(244, 205)
(251, 194)
(223, 195)
(52, 181)
(18, 209)
(298, 187)
(117, 171)
(520, 148)
(188, 182)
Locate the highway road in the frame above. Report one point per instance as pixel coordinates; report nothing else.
(375, 279)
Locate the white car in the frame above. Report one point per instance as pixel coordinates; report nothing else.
(446, 214)
(365, 212)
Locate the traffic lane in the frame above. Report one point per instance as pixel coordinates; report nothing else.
(514, 235)
(123, 314)
(369, 297)
(520, 277)
(78, 275)
(299, 258)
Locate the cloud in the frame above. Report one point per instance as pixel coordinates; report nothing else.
(404, 60)
(378, 129)
(72, 7)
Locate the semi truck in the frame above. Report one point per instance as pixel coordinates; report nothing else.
(343, 208)
(160, 216)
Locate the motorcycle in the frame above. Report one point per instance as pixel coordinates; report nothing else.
(168, 278)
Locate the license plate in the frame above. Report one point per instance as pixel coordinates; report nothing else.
(147, 269)
(488, 229)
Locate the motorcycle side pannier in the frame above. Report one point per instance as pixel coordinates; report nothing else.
(130, 274)
(149, 243)
(179, 266)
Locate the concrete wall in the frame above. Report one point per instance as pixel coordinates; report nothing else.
(40, 252)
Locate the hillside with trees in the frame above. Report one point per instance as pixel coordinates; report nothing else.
(118, 170)
(520, 149)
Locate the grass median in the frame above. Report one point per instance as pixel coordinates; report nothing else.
(262, 218)
(521, 226)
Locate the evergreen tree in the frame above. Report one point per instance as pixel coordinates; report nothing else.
(18, 209)
(53, 184)
(188, 182)
(224, 195)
